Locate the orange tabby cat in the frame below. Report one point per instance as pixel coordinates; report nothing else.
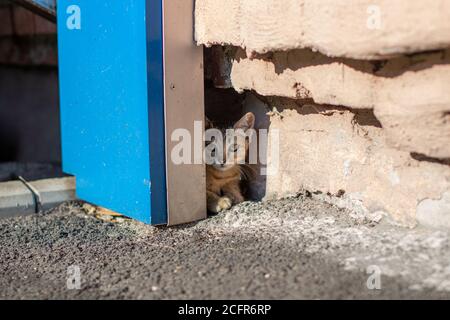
(224, 178)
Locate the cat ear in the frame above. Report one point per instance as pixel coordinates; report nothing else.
(247, 122)
(208, 124)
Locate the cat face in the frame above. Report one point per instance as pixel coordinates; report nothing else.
(228, 148)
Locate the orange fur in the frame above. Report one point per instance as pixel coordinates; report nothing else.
(223, 184)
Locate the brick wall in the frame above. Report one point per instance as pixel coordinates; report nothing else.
(362, 93)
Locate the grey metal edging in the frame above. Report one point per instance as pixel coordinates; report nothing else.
(16, 199)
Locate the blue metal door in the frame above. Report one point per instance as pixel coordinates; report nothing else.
(112, 106)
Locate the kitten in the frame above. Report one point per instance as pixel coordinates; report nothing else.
(224, 180)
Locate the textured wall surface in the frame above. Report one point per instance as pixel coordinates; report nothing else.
(361, 91)
(363, 29)
(344, 154)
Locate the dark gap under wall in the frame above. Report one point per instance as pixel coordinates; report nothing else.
(366, 117)
(223, 106)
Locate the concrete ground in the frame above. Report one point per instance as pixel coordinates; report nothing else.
(297, 248)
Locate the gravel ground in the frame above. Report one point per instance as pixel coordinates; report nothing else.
(297, 248)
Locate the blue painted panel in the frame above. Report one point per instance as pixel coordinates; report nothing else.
(112, 111)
